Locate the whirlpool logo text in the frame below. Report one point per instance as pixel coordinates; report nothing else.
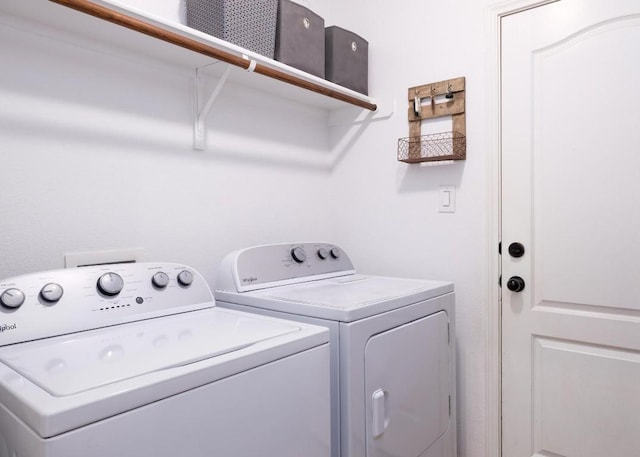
(5, 327)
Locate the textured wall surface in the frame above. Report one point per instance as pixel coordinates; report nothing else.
(97, 154)
(387, 210)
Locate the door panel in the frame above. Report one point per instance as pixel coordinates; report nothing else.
(585, 180)
(407, 387)
(585, 400)
(571, 195)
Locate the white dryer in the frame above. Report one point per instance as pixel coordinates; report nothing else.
(392, 343)
(135, 360)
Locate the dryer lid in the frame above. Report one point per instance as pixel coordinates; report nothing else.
(79, 362)
(349, 298)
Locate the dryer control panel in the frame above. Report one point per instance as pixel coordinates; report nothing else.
(272, 265)
(52, 303)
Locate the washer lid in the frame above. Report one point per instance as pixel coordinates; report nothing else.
(346, 298)
(79, 362)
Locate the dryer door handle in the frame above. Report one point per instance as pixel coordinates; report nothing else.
(379, 407)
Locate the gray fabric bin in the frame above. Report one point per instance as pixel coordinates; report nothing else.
(250, 24)
(347, 59)
(300, 38)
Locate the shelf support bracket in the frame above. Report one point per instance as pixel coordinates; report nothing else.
(201, 114)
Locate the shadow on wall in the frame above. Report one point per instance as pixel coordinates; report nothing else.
(428, 176)
(344, 142)
(67, 93)
(271, 130)
(266, 126)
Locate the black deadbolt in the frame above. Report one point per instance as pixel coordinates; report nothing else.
(516, 250)
(515, 284)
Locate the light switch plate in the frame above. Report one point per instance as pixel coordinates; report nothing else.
(447, 199)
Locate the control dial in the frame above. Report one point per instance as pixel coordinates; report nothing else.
(12, 298)
(298, 254)
(185, 277)
(51, 292)
(160, 280)
(110, 284)
(323, 253)
(335, 253)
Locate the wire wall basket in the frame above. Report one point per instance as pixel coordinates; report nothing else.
(432, 148)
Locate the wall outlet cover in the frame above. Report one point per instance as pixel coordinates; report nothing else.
(84, 259)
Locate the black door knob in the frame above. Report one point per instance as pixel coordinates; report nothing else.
(516, 250)
(515, 284)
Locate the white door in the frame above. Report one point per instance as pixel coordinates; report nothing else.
(407, 387)
(571, 196)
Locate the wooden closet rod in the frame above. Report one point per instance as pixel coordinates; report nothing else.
(138, 25)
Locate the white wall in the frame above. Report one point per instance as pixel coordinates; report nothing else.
(96, 154)
(387, 210)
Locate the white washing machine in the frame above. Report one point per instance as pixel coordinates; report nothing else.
(392, 343)
(135, 360)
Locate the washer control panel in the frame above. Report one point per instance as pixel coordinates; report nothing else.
(52, 303)
(266, 266)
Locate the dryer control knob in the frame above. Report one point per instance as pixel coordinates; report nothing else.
(110, 284)
(51, 292)
(185, 277)
(323, 253)
(298, 254)
(12, 298)
(335, 253)
(160, 280)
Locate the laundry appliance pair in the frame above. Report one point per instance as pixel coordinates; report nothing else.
(298, 356)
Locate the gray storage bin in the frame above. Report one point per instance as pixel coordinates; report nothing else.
(300, 38)
(347, 59)
(250, 24)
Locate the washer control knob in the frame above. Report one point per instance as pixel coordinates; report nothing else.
(51, 292)
(185, 277)
(335, 253)
(12, 298)
(298, 254)
(110, 284)
(323, 253)
(160, 280)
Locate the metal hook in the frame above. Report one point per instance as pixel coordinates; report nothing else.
(417, 106)
(449, 92)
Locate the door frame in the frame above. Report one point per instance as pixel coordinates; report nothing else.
(493, 349)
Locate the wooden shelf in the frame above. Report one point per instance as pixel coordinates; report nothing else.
(200, 43)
